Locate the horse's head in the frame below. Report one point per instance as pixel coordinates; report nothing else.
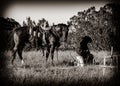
(63, 30)
(65, 33)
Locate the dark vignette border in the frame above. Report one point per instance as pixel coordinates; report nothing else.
(5, 3)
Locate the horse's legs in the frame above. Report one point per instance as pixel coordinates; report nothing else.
(13, 54)
(20, 49)
(15, 49)
(52, 49)
(47, 53)
(43, 51)
(57, 53)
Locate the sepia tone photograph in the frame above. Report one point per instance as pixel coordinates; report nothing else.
(59, 43)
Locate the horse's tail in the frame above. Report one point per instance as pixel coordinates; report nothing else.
(11, 40)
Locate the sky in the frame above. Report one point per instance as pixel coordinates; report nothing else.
(53, 12)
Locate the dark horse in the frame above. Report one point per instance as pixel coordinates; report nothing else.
(84, 50)
(21, 36)
(54, 37)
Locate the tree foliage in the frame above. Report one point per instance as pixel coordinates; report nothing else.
(98, 25)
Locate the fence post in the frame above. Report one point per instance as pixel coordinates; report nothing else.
(111, 50)
(111, 55)
(104, 61)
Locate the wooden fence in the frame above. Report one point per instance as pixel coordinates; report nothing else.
(113, 61)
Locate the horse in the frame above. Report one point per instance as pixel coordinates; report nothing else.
(21, 36)
(26, 34)
(54, 36)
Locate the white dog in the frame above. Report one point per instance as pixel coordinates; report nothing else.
(80, 61)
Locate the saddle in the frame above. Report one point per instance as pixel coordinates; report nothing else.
(44, 37)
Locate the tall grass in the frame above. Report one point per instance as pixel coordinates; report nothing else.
(36, 71)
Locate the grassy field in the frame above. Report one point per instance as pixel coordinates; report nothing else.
(35, 71)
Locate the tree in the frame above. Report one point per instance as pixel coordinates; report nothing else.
(96, 24)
